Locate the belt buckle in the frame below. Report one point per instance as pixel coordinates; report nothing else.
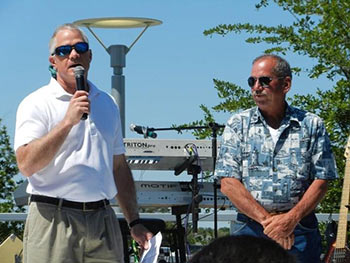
(84, 207)
(87, 208)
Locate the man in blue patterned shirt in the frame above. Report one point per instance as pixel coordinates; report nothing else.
(274, 164)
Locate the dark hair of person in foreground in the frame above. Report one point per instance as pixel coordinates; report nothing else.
(242, 249)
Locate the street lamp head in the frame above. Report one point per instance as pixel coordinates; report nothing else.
(118, 22)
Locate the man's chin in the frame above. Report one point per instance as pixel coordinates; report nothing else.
(260, 101)
(68, 78)
(262, 105)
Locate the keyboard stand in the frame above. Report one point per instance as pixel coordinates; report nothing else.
(180, 232)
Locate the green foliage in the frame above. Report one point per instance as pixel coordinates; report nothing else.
(205, 235)
(199, 133)
(8, 169)
(320, 31)
(234, 97)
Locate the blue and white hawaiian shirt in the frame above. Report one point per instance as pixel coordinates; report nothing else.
(277, 175)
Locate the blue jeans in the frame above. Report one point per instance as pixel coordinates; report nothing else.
(307, 243)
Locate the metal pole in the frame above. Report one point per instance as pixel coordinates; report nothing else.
(118, 55)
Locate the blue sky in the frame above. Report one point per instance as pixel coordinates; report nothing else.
(168, 72)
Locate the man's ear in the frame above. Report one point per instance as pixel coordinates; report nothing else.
(52, 61)
(287, 84)
(90, 55)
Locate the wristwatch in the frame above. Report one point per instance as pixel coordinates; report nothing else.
(135, 222)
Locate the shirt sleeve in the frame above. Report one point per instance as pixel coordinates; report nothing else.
(229, 162)
(323, 164)
(30, 122)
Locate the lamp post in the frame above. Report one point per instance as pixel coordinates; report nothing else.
(118, 52)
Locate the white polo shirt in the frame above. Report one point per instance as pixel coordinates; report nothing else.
(82, 169)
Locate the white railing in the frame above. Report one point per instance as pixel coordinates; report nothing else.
(226, 216)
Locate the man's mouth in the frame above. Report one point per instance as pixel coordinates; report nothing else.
(75, 65)
(258, 94)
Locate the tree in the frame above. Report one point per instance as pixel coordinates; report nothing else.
(205, 235)
(8, 169)
(321, 32)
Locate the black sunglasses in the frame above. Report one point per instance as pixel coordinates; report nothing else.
(264, 81)
(80, 47)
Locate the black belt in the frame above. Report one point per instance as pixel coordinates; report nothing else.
(71, 204)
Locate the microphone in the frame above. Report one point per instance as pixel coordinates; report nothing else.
(143, 130)
(80, 81)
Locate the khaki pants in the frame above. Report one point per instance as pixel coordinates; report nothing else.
(66, 235)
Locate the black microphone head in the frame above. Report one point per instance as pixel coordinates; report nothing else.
(136, 128)
(80, 78)
(132, 127)
(79, 71)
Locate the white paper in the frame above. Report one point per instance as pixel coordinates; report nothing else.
(151, 254)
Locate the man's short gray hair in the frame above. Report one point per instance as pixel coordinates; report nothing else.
(70, 26)
(282, 68)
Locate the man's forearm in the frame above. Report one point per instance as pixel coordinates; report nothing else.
(126, 189)
(37, 154)
(311, 198)
(127, 201)
(242, 199)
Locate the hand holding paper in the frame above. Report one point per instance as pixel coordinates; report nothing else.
(151, 254)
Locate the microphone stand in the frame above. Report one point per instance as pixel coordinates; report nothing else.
(214, 128)
(193, 170)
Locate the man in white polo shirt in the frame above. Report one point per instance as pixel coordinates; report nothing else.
(74, 166)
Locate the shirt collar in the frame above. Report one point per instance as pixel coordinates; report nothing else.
(291, 115)
(60, 93)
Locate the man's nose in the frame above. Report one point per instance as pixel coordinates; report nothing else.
(257, 86)
(74, 54)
